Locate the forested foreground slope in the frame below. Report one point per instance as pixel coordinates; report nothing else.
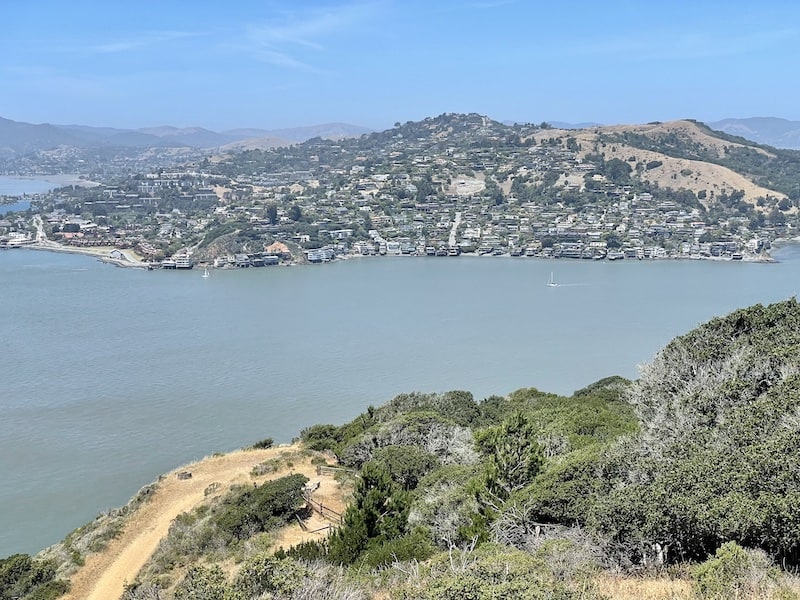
(691, 469)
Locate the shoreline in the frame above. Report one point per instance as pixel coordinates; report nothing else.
(59, 180)
(134, 261)
(50, 182)
(131, 260)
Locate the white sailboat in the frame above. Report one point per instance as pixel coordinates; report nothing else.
(205, 273)
(551, 282)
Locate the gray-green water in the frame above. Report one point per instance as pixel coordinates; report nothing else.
(112, 376)
(18, 186)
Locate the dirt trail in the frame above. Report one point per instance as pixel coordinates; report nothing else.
(105, 574)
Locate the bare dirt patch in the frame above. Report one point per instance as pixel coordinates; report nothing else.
(467, 186)
(331, 495)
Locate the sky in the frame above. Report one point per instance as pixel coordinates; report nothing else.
(275, 64)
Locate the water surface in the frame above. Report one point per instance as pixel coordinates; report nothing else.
(112, 376)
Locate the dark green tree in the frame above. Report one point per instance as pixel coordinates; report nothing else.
(295, 213)
(613, 240)
(378, 514)
(617, 170)
(407, 464)
(513, 458)
(272, 214)
(514, 455)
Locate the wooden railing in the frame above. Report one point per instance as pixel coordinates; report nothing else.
(334, 470)
(325, 511)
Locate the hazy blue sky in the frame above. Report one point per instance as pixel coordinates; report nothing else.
(270, 64)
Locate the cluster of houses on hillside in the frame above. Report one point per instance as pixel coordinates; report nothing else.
(476, 190)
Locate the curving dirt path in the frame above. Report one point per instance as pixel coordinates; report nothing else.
(105, 574)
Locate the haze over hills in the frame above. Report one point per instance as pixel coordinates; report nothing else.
(17, 137)
(678, 155)
(772, 131)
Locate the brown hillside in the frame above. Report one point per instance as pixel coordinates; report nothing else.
(674, 173)
(104, 574)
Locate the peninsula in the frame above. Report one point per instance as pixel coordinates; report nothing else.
(445, 186)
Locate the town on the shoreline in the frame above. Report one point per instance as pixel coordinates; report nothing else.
(448, 186)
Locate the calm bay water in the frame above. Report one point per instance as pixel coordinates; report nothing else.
(18, 206)
(18, 186)
(112, 376)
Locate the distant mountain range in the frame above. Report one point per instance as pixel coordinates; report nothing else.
(779, 133)
(563, 125)
(19, 138)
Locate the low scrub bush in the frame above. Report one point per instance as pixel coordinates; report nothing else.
(264, 444)
(734, 572)
(24, 577)
(490, 572)
(262, 507)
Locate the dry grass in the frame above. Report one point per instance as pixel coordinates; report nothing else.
(104, 574)
(620, 587)
(699, 175)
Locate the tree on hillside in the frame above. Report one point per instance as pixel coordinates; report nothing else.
(272, 214)
(378, 513)
(513, 458)
(716, 459)
(514, 455)
(617, 170)
(295, 213)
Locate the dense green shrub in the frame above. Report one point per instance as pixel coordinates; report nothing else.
(716, 459)
(378, 514)
(265, 574)
(311, 550)
(203, 583)
(321, 437)
(734, 572)
(413, 546)
(407, 464)
(456, 408)
(261, 507)
(26, 578)
(566, 489)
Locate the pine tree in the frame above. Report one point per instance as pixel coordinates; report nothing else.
(379, 513)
